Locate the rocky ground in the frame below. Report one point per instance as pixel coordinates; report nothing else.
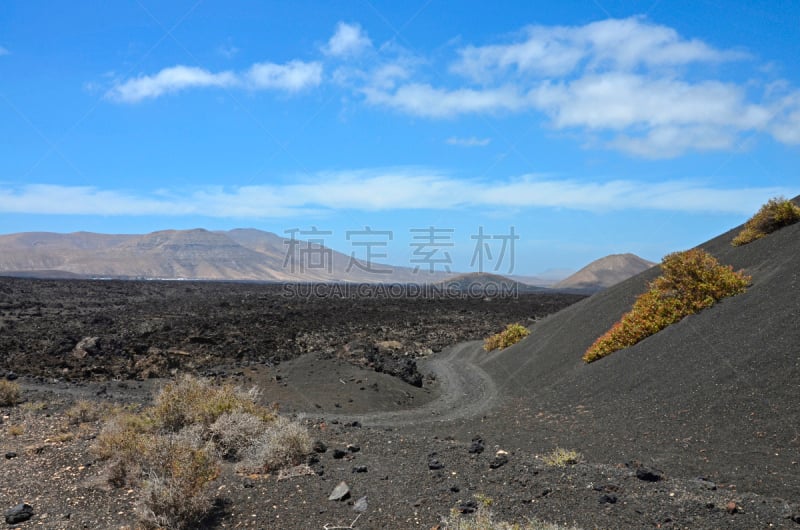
(409, 448)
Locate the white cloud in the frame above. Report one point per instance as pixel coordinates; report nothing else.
(472, 141)
(381, 190)
(349, 39)
(620, 100)
(173, 79)
(425, 100)
(291, 77)
(614, 43)
(4, 51)
(623, 82)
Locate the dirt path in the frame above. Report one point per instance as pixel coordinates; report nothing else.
(465, 390)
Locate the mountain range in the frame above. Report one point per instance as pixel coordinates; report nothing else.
(243, 254)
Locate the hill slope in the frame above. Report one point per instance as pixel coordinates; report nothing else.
(241, 254)
(605, 272)
(713, 395)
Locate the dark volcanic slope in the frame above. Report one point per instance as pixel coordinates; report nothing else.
(717, 394)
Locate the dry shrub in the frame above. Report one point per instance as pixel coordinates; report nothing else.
(775, 214)
(172, 449)
(84, 411)
(235, 431)
(508, 337)
(561, 457)
(690, 281)
(191, 400)
(9, 393)
(124, 442)
(176, 492)
(284, 443)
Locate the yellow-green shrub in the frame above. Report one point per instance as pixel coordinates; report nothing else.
(561, 457)
(508, 337)
(775, 214)
(690, 281)
(9, 393)
(191, 401)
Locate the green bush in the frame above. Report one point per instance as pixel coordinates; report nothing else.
(777, 213)
(690, 281)
(508, 337)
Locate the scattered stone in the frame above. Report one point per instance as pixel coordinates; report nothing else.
(467, 507)
(455, 488)
(361, 505)
(359, 469)
(732, 507)
(649, 475)
(319, 446)
(434, 463)
(340, 493)
(19, 513)
(353, 448)
(10, 455)
(476, 447)
(500, 459)
(86, 346)
(608, 498)
(11, 376)
(707, 484)
(339, 454)
(356, 424)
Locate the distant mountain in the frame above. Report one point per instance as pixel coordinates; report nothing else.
(241, 254)
(482, 283)
(605, 272)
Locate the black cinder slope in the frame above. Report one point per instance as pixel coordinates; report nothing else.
(717, 394)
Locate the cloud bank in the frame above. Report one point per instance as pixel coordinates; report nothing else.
(385, 190)
(624, 84)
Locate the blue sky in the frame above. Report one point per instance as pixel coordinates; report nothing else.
(590, 127)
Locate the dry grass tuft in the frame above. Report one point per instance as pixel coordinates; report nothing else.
(561, 457)
(9, 393)
(483, 519)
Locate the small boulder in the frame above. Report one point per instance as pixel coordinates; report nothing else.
(19, 513)
(476, 447)
(434, 463)
(649, 475)
(500, 459)
(608, 498)
(361, 505)
(467, 507)
(340, 493)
